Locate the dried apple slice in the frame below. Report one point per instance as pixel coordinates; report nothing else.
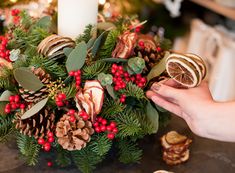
(97, 91)
(175, 138)
(83, 103)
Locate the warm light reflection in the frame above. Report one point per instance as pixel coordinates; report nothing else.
(102, 2)
(13, 1)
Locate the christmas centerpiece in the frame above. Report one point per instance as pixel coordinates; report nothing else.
(83, 98)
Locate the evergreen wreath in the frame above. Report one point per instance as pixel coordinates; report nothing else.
(81, 97)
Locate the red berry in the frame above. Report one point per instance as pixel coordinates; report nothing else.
(41, 141)
(115, 130)
(113, 71)
(99, 119)
(13, 106)
(143, 80)
(97, 129)
(12, 98)
(62, 96)
(113, 124)
(104, 122)
(47, 146)
(76, 74)
(17, 98)
(51, 139)
(71, 112)
(59, 103)
(72, 118)
(115, 66)
(126, 74)
(78, 78)
(110, 136)
(49, 164)
(122, 100)
(137, 29)
(8, 106)
(96, 124)
(141, 43)
(85, 117)
(116, 88)
(109, 128)
(22, 106)
(120, 68)
(71, 73)
(7, 111)
(102, 128)
(159, 49)
(50, 134)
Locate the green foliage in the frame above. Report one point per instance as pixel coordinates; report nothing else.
(63, 158)
(50, 66)
(133, 90)
(111, 108)
(166, 44)
(29, 148)
(7, 128)
(93, 70)
(26, 20)
(86, 36)
(86, 159)
(128, 124)
(129, 152)
(101, 144)
(70, 91)
(109, 44)
(6, 78)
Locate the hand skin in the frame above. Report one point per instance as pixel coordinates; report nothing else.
(204, 116)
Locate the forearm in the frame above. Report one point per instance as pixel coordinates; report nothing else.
(221, 122)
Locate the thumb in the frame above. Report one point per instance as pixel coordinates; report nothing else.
(166, 91)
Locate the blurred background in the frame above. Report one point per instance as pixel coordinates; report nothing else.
(203, 27)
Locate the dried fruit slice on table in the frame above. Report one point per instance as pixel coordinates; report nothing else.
(175, 138)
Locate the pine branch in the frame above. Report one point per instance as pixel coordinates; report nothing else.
(101, 144)
(133, 90)
(7, 128)
(6, 79)
(109, 45)
(86, 36)
(128, 124)
(93, 70)
(26, 20)
(50, 66)
(29, 148)
(111, 108)
(63, 157)
(70, 91)
(86, 159)
(129, 152)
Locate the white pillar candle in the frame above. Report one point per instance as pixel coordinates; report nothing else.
(75, 15)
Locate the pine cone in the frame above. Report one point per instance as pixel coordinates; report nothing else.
(36, 96)
(73, 135)
(38, 125)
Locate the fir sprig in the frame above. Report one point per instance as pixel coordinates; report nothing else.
(128, 124)
(63, 158)
(109, 45)
(86, 36)
(29, 148)
(93, 70)
(133, 90)
(86, 159)
(101, 144)
(129, 152)
(6, 128)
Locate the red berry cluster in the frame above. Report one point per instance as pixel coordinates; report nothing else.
(84, 115)
(136, 29)
(15, 103)
(123, 98)
(101, 126)
(49, 163)
(16, 18)
(77, 76)
(142, 46)
(119, 74)
(46, 143)
(61, 100)
(4, 53)
(139, 80)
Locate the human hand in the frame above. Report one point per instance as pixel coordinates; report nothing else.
(191, 104)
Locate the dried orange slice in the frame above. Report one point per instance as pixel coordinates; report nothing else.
(200, 62)
(174, 138)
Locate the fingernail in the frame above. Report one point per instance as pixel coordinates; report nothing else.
(156, 87)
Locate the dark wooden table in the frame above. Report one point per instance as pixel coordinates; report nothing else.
(207, 156)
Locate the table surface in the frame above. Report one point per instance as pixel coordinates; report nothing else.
(206, 156)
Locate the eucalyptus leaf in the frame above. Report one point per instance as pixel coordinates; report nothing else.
(153, 116)
(2, 108)
(158, 68)
(44, 22)
(35, 109)
(97, 44)
(106, 26)
(114, 60)
(110, 90)
(27, 79)
(77, 57)
(67, 51)
(5, 96)
(90, 43)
